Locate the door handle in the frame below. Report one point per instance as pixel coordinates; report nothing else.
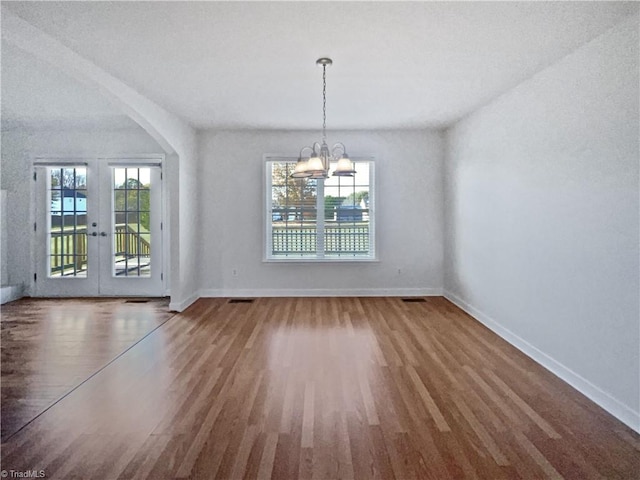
(103, 234)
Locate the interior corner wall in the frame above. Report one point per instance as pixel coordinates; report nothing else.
(19, 147)
(185, 226)
(408, 216)
(542, 218)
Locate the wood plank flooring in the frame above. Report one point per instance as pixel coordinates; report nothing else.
(322, 388)
(50, 346)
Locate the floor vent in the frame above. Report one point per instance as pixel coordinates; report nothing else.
(137, 300)
(414, 300)
(241, 300)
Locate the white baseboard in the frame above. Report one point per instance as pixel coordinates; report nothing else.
(181, 305)
(603, 399)
(322, 292)
(9, 293)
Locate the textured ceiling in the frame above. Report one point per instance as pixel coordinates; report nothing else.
(35, 95)
(252, 65)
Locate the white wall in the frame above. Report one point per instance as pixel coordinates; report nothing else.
(542, 211)
(19, 147)
(409, 216)
(4, 253)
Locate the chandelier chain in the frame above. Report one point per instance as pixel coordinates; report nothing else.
(324, 103)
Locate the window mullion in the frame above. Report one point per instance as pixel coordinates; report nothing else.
(320, 218)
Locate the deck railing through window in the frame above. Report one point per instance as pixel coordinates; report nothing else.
(130, 243)
(300, 239)
(68, 253)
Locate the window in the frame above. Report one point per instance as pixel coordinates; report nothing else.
(319, 220)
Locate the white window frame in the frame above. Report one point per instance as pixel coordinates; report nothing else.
(319, 258)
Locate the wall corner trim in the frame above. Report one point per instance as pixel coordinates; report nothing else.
(619, 410)
(182, 305)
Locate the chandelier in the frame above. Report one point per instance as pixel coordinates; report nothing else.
(316, 165)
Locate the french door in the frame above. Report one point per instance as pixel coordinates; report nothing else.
(98, 227)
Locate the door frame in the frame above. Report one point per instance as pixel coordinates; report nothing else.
(34, 211)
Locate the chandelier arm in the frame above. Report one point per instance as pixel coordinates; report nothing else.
(303, 149)
(338, 146)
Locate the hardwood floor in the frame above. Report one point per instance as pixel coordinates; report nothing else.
(49, 347)
(320, 388)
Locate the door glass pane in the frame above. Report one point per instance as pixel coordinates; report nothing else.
(67, 222)
(131, 221)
